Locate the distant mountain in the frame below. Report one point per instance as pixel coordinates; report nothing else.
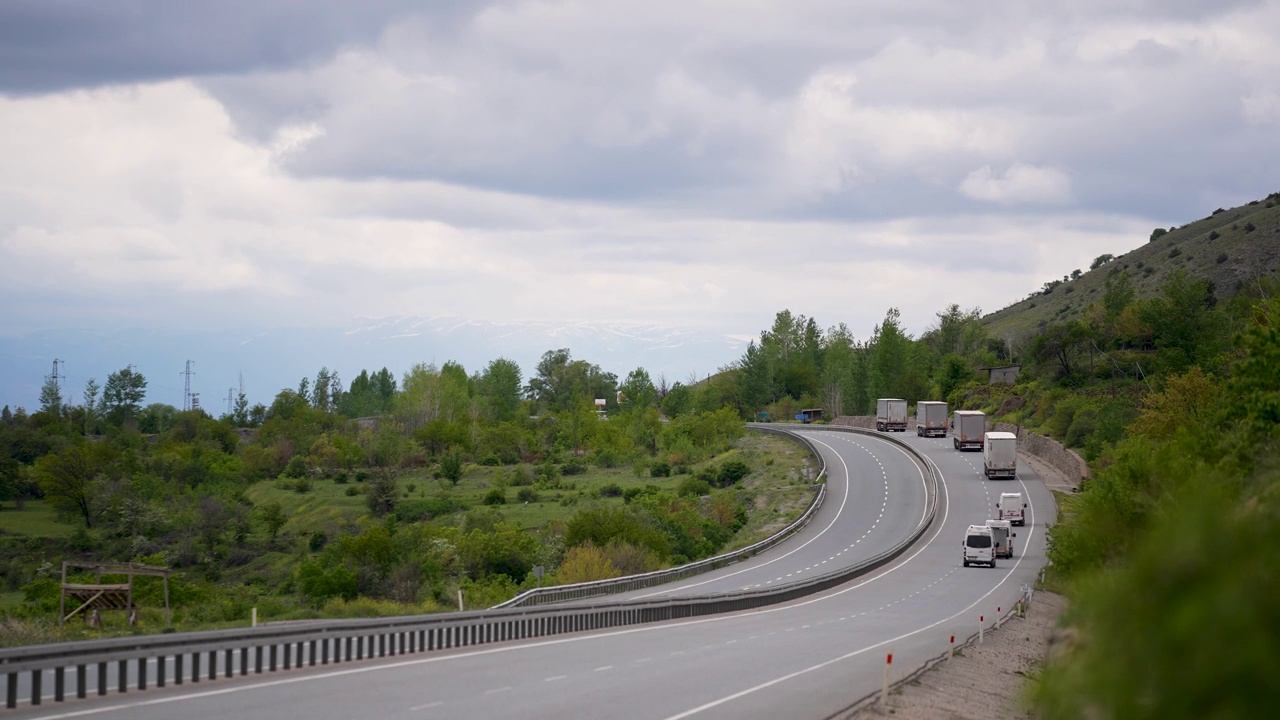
(272, 359)
(1230, 248)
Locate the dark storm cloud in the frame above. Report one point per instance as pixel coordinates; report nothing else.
(48, 45)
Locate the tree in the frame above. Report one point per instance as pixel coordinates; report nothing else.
(1101, 260)
(273, 517)
(451, 465)
(1118, 293)
(638, 390)
(1075, 274)
(51, 397)
(69, 479)
(123, 394)
(560, 382)
(585, 563)
(91, 408)
(755, 390)
(498, 387)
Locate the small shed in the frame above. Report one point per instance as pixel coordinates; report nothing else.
(93, 597)
(1004, 375)
(808, 416)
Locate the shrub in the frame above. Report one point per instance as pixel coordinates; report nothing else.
(732, 471)
(1219, 210)
(1175, 252)
(573, 467)
(1222, 257)
(302, 485)
(318, 540)
(352, 491)
(491, 460)
(495, 497)
(660, 469)
(1214, 235)
(1248, 227)
(611, 490)
(341, 478)
(527, 495)
(296, 468)
(1157, 233)
(694, 486)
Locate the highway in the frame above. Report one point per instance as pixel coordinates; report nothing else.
(808, 658)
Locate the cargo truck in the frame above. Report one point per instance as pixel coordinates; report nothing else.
(1002, 535)
(1000, 455)
(891, 415)
(931, 418)
(967, 429)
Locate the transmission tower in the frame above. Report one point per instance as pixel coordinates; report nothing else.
(187, 397)
(57, 377)
(230, 390)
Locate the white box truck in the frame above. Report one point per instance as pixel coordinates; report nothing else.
(1002, 534)
(967, 429)
(891, 415)
(1000, 455)
(931, 418)
(1012, 507)
(979, 546)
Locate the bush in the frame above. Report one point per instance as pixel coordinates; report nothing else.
(573, 467)
(341, 478)
(1214, 235)
(302, 485)
(694, 486)
(317, 541)
(1175, 252)
(296, 468)
(527, 495)
(1222, 257)
(1219, 210)
(1249, 227)
(660, 469)
(352, 491)
(426, 509)
(1157, 233)
(611, 490)
(495, 497)
(732, 471)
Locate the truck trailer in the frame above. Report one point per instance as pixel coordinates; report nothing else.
(967, 429)
(1000, 455)
(931, 418)
(891, 415)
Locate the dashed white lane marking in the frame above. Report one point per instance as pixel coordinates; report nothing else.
(429, 705)
(554, 678)
(495, 691)
(603, 668)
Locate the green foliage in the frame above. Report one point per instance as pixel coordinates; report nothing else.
(495, 497)
(694, 486)
(273, 518)
(451, 465)
(1157, 234)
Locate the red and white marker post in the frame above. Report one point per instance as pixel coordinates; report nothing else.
(884, 687)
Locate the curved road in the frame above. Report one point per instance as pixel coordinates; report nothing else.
(808, 658)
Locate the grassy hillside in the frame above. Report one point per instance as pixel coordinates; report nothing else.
(1230, 248)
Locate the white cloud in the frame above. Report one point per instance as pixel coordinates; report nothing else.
(1018, 184)
(1261, 108)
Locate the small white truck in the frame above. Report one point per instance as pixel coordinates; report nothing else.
(1012, 507)
(967, 429)
(931, 418)
(979, 546)
(1002, 534)
(891, 415)
(1000, 455)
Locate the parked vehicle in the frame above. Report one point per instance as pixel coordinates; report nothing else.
(891, 415)
(967, 429)
(1002, 535)
(931, 418)
(1012, 507)
(1000, 455)
(979, 546)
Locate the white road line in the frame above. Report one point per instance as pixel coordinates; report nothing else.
(554, 678)
(416, 708)
(603, 668)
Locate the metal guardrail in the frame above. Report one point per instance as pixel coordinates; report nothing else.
(135, 662)
(596, 588)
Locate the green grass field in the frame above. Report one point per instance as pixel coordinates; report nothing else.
(34, 520)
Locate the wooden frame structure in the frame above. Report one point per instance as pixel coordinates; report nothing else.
(97, 595)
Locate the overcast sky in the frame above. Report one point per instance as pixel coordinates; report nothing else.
(699, 164)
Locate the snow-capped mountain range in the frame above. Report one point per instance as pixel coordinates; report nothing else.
(276, 358)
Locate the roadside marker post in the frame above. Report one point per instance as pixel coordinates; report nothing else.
(951, 653)
(997, 617)
(884, 687)
(981, 621)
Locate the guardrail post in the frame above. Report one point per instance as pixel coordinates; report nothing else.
(11, 691)
(195, 667)
(244, 661)
(142, 673)
(177, 669)
(288, 655)
(257, 660)
(313, 651)
(122, 675)
(272, 654)
(228, 663)
(81, 682)
(59, 683)
(102, 678)
(160, 671)
(36, 692)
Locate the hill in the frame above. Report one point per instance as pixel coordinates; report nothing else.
(1230, 248)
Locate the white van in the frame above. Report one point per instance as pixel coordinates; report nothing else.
(979, 546)
(1002, 534)
(1012, 508)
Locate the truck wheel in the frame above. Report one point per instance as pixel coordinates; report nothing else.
(955, 443)
(966, 563)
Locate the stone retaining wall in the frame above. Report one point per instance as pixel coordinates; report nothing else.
(1064, 459)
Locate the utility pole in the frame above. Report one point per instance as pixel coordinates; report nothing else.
(56, 376)
(230, 390)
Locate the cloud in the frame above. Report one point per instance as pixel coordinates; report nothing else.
(1261, 108)
(1018, 184)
